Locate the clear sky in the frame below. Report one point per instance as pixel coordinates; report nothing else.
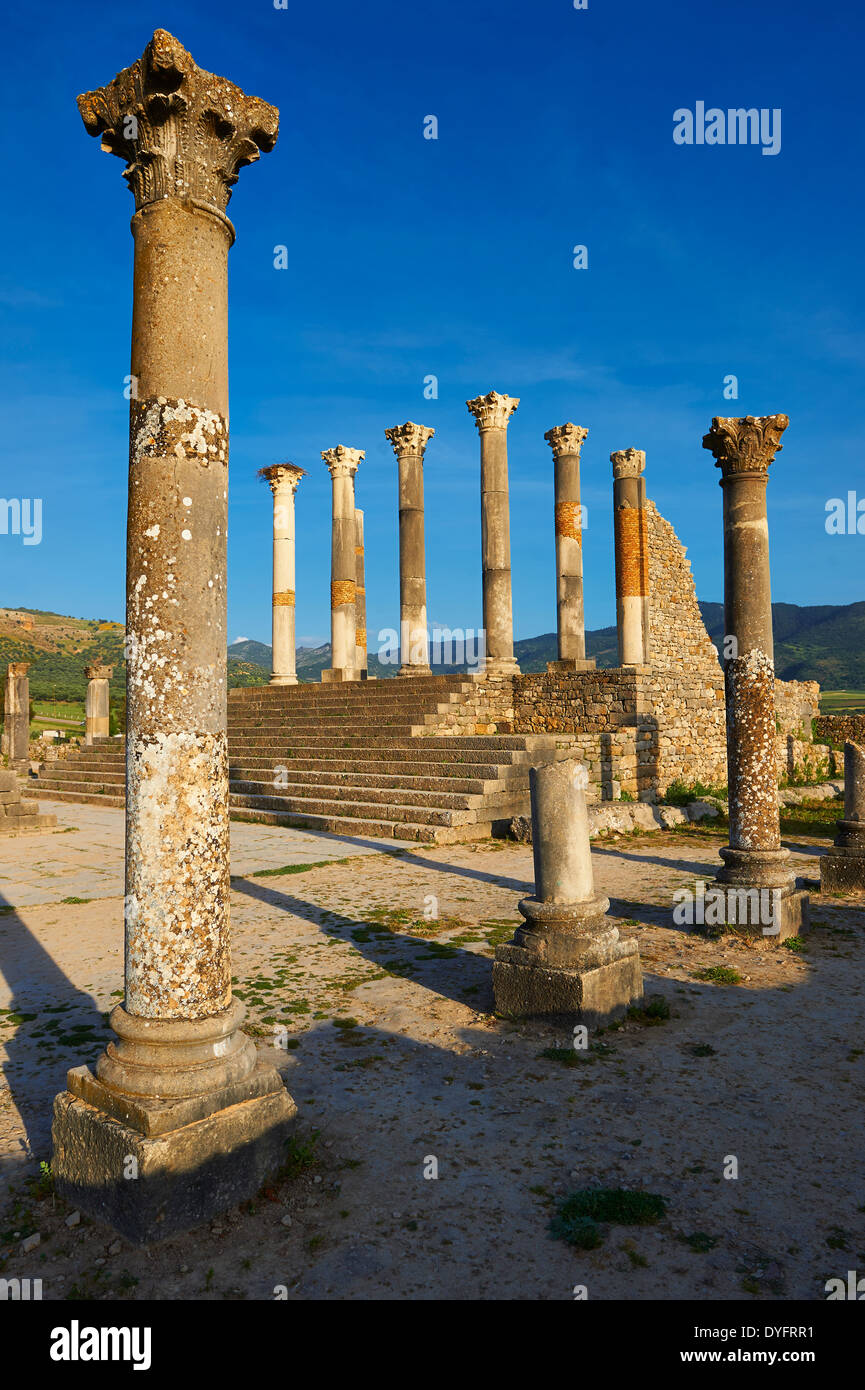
(454, 257)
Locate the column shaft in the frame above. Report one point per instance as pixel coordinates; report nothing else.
(284, 479)
(566, 442)
(361, 660)
(97, 702)
(632, 556)
(409, 443)
(343, 464)
(491, 416)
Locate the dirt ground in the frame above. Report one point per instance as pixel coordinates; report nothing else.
(368, 982)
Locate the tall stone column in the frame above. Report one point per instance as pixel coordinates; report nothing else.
(284, 479)
(632, 556)
(743, 450)
(97, 702)
(16, 715)
(342, 464)
(567, 957)
(842, 869)
(179, 1100)
(409, 443)
(566, 441)
(361, 660)
(492, 413)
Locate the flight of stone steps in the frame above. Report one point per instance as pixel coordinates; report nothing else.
(349, 759)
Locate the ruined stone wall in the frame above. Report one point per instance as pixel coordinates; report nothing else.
(796, 704)
(838, 728)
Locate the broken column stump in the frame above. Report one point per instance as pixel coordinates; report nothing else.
(842, 870)
(567, 959)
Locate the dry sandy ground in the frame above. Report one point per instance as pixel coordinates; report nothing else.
(768, 1071)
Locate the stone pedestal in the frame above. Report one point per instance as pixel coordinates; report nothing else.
(361, 659)
(409, 443)
(566, 441)
(743, 449)
(342, 464)
(180, 1119)
(284, 479)
(492, 413)
(632, 556)
(16, 716)
(568, 958)
(842, 870)
(97, 702)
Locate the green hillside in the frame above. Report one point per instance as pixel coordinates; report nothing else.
(823, 643)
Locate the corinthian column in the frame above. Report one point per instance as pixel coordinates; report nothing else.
(342, 464)
(284, 479)
(743, 450)
(97, 702)
(492, 413)
(361, 662)
(179, 1100)
(632, 556)
(409, 442)
(566, 441)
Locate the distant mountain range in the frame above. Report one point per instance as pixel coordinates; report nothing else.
(825, 643)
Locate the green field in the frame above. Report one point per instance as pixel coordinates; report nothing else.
(842, 701)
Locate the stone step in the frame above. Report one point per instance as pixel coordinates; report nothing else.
(469, 786)
(76, 774)
(423, 747)
(380, 829)
(452, 768)
(354, 810)
(85, 797)
(514, 803)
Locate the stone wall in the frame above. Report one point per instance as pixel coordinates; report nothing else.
(838, 728)
(797, 703)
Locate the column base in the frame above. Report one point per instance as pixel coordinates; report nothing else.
(758, 909)
(500, 666)
(842, 870)
(569, 664)
(567, 961)
(409, 670)
(283, 680)
(153, 1168)
(338, 673)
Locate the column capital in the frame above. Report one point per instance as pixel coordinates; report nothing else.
(98, 672)
(282, 476)
(492, 411)
(746, 444)
(184, 133)
(628, 463)
(18, 668)
(343, 462)
(566, 440)
(409, 438)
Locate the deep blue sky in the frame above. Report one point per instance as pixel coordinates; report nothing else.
(454, 257)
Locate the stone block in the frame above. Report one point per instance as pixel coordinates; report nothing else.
(149, 1187)
(526, 988)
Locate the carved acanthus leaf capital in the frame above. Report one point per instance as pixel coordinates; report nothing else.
(492, 411)
(745, 444)
(409, 438)
(628, 463)
(565, 440)
(282, 477)
(98, 672)
(343, 462)
(184, 133)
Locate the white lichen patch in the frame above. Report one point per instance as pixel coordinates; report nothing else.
(753, 776)
(177, 961)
